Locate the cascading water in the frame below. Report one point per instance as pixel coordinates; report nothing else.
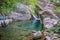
(34, 17)
(37, 23)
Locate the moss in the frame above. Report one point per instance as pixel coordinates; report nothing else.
(57, 10)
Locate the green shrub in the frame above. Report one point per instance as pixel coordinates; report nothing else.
(57, 10)
(57, 29)
(56, 2)
(8, 5)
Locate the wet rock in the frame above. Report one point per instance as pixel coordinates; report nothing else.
(5, 23)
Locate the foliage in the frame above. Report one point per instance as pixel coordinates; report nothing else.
(57, 30)
(8, 5)
(57, 10)
(31, 1)
(32, 6)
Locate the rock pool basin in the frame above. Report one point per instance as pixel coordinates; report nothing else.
(18, 30)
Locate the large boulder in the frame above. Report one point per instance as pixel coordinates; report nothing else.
(21, 12)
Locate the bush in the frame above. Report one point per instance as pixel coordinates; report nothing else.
(8, 5)
(57, 29)
(57, 10)
(56, 2)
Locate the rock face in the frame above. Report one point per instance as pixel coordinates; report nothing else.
(21, 12)
(47, 11)
(50, 19)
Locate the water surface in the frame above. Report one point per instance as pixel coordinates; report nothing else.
(18, 30)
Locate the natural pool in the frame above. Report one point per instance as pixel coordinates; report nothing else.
(18, 30)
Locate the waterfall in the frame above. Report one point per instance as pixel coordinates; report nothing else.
(35, 17)
(37, 25)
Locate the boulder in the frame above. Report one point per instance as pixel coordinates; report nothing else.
(48, 38)
(49, 23)
(20, 16)
(5, 23)
(21, 12)
(37, 34)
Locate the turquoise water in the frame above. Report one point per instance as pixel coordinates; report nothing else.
(18, 30)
